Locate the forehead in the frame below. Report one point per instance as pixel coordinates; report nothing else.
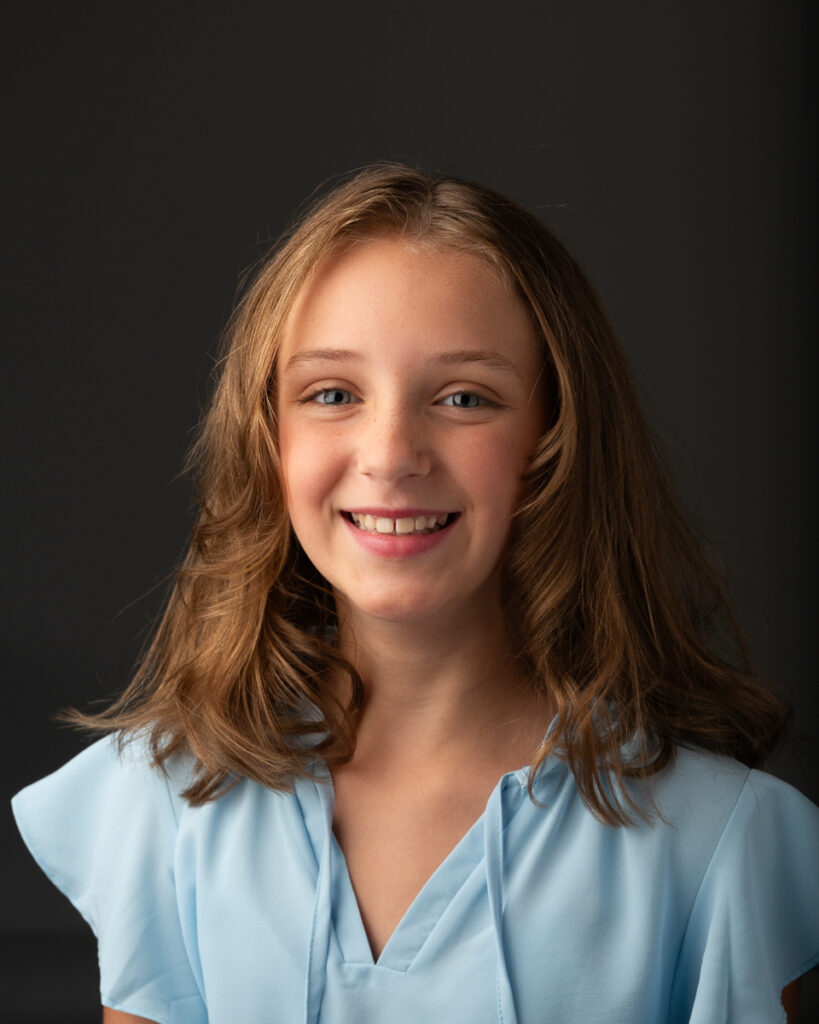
(386, 288)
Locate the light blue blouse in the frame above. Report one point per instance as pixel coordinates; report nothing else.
(242, 910)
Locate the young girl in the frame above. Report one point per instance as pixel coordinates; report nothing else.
(441, 721)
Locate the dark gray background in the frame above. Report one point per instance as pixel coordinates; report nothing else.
(154, 150)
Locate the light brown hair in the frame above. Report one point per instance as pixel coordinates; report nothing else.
(613, 605)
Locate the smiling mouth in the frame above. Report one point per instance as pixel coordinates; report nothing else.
(401, 527)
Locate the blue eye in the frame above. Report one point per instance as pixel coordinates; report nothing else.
(464, 400)
(331, 396)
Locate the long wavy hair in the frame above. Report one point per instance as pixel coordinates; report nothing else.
(614, 607)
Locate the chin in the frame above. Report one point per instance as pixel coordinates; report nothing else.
(391, 607)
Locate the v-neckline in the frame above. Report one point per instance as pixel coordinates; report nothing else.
(431, 901)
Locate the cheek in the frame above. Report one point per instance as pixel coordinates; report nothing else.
(310, 468)
(496, 465)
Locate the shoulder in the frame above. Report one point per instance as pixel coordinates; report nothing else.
(715, 793)
(696, 783)
(104, 829)
(114, 833)
(116, 793)
(105, 779)
(105, 821)
(715, 827)
(753, 925)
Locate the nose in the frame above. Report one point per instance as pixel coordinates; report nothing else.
(394, 446)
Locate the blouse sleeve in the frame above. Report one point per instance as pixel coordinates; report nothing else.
(754, 926)
(103, 828)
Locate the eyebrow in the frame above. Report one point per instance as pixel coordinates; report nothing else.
(494, 360)
(328, 355)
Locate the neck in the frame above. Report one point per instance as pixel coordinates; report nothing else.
(432, 699)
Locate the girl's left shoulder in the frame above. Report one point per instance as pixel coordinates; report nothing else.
(753, 923)
(710, 792)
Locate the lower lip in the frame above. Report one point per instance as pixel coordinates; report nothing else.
(391, 545)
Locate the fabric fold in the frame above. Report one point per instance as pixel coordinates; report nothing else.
(494, 868)
(319, 945)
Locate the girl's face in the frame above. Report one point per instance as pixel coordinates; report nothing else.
(408, 405)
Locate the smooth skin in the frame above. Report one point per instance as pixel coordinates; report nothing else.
(409, 381)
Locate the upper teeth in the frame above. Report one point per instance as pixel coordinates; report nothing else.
(405, 524)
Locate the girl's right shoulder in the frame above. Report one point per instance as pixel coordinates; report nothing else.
(104, 828)
(106, 782)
